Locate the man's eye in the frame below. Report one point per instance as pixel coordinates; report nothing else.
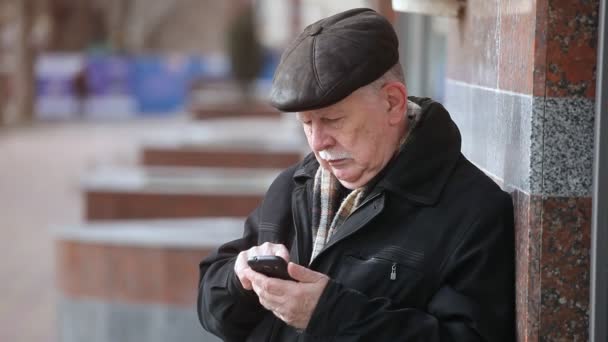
(330, 120)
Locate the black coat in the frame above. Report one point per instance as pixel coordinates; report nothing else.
(440, 222)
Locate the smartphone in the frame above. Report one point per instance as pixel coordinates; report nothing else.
(270, 265)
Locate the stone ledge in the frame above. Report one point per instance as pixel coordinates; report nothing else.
(173, 192)
(227, 110)
(171, 233)
(250, 134)
(91, 320)
(211, 156)
(143, 262)
(133, 205)
(180, 180)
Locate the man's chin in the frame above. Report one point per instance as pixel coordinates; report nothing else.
(349, 185)
(347, 180)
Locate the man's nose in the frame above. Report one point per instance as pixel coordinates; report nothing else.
(319, 138)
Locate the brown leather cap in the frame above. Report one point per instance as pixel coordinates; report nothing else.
(332, 58)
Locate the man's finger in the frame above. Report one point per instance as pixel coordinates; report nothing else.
(271, 286)
(268, 300)
(245, 283)
(303, 274)
(282, 252)
(239, 266)
(252, 275)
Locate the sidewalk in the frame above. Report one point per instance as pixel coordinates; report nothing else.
(39, 173)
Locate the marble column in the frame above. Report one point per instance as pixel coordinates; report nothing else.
(521, 86)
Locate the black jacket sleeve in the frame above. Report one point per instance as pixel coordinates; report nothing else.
(474, 302)
(224, 307)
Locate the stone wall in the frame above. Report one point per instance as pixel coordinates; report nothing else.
(521, 87)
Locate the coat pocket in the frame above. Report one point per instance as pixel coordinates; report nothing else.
(390, 273)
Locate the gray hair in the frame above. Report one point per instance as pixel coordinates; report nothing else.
(395, 73)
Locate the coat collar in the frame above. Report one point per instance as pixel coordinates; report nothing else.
(308, 168)
(422, 166)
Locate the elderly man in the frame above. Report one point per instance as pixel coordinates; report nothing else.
(391, 234)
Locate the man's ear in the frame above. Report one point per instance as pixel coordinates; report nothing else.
(396, 95)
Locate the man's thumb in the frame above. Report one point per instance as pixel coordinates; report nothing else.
(303, 274)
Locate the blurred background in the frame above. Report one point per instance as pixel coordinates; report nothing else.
(134, 138)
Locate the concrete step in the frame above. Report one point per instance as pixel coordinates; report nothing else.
(173, 192)
(135, 280)
(202, 111)
(247, 143)
(239, 154)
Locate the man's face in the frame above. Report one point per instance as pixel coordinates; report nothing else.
(354, 139)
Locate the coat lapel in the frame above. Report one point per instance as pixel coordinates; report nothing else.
(367, 211)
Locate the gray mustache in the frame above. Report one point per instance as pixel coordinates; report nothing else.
(333, 155)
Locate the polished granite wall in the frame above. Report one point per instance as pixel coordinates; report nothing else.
(521, 86)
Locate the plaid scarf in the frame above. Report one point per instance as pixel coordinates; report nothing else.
(326, 217)
(327, 213)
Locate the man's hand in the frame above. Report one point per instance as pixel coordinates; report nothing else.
(266, 248)
(292, 302)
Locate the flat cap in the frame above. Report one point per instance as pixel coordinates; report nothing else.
(332, 58)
